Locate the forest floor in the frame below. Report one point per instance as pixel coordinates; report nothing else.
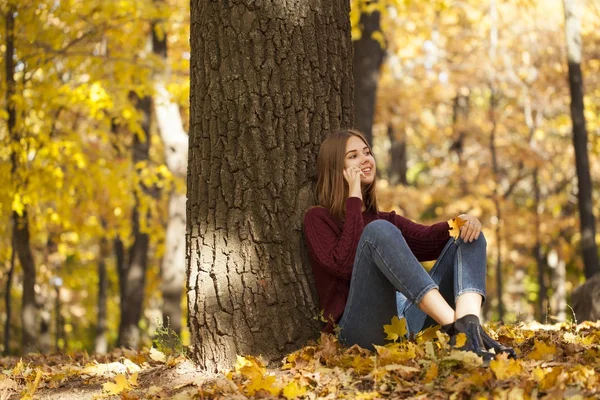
(554, 362)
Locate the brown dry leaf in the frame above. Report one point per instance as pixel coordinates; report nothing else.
(432, 372)
(7, 384)
(157, 355)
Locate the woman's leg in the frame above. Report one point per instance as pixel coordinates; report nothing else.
(460, 272)
(383, 265)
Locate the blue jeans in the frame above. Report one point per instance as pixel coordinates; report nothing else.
(388, 280)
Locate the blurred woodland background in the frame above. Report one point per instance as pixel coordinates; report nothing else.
(471, 114)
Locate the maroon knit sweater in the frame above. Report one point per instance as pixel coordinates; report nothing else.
(332, 246)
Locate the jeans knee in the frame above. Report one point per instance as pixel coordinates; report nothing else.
(481, 240)
(381, 227)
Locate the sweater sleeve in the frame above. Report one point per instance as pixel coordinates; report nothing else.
(426, 242)
(332, 252)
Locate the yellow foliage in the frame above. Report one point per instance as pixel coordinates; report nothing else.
(542, 351)
(396, 330)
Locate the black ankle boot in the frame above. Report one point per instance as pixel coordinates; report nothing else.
(470, 326)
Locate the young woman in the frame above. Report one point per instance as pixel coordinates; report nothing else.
(366, 262)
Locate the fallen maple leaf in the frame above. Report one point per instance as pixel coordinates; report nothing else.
(461, 340)
(455, 224)
(468, 359)
(542, 351)
(293, 390)
(504, 368)
(396, 329)
(121, 384)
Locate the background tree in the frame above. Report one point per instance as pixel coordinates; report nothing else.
(369, 50)
(583, 298)
(253, 144)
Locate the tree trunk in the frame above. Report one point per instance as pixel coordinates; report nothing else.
(580, 141)
(269, 80)
(559, 277)
(542, 305)
(134, 273)
(101, 342)
(29, 310)
(398, 164)
(368, 56)
(7, 300)
(497, 199)
(175, 140)
(460, 117)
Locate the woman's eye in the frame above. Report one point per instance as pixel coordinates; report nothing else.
(368, 153)
(353, 156)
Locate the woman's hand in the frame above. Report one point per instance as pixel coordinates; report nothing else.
(352, 176)
(471, 229)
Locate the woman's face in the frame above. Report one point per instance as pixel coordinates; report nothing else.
(359, 155)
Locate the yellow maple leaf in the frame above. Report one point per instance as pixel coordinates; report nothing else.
(542, 351)
(427, 335)
(266, 383)
(468, 359)
(396, 329)
(461, 339)
(121, 384)
(504, 368)
(455, 224)
(294, 389)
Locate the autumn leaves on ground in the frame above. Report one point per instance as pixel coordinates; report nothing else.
(555, 362)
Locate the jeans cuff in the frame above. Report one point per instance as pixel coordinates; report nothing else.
(478, 291)
(423, 292)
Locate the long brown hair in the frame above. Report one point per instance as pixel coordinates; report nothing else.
(332, 188)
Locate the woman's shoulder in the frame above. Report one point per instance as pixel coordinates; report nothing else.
(316, 211)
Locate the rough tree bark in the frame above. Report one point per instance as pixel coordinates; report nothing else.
(133, 282)
(175, 140)
(269, 80)
(368, 56)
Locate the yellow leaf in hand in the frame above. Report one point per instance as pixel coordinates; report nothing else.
(455, 224)
(120, 385)
(396, 330)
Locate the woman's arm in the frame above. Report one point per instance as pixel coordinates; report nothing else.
(335, 254)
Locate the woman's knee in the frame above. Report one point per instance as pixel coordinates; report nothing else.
(381, 228)
(479, 242)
